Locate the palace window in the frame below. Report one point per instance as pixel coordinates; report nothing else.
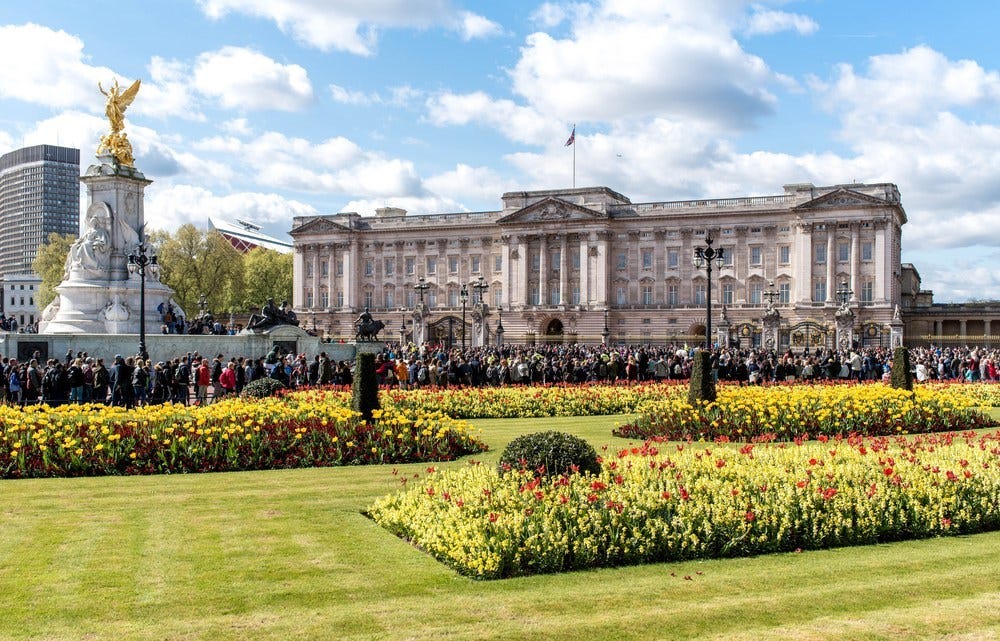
(432, 265)
(324, 300)
(867, 250)
(324, 268)
(820, 254)
(555, 260)
(309, 270)
(453, 264)
(369, 299)
(647, 259)
(410, 265)
(756, 290)
(476, 264)
(369, 267)
(819, 290)
(554, 295)
(621, 295)
(390, 299)
(867, 291)
(785, 293)
(727, 293)
(497, 297)
(309, 299)
(672, 258)
(622, 260)
(497, 263)
(647, 294)
(340, 267)
(575, 300)
(533, 296)
(536, 262)
(784, 254)
(756, 256)
(843, 252)
(390, 266)
(672, 297)
(727, 257)
(699, 294)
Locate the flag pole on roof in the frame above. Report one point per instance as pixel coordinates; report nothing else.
(571, 142)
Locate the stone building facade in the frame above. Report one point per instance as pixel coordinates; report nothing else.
(588, 265)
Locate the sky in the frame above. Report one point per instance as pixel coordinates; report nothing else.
(268, 109)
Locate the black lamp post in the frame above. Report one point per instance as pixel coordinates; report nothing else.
(421, 287)
(140, 262)
(703, 257)
(844, 294)
(771, 294)
(202, 306)
(463, 295)
(606, 334)
(500, 328)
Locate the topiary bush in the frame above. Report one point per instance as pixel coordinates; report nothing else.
(364, 390)
(262, 388)
(702, 386)
(551, 452)
(901, 377)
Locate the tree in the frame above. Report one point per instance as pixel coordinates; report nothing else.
(50, 264)
(266, 274)
(195, 263)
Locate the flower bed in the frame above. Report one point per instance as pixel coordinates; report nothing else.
(790, 411)
(687, 502)
(534, 401)
(297, 430)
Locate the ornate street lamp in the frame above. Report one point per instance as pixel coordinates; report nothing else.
(402, 331)
(463, 295)
(703, 257)
(500, 329)
(606, 334)
(844, 294)
(421, 287)
(140, 263)
(771, 294)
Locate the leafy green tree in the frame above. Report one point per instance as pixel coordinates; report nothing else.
(266, 274)
(50, 264)
(197, 262)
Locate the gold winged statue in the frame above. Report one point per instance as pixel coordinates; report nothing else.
(116, 143)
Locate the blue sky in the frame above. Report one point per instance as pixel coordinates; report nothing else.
(268, 109)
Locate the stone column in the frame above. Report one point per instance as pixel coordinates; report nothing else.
(855, 262)
(831, 262)
(586, 298)
(802, 268)
(563, 272)
(315, 284)
(962, 328)
(331, 277)
(524, 262)
(543, 270)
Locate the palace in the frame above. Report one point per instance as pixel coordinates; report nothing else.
(820, 266)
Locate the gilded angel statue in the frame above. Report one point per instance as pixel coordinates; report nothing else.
(116, 143)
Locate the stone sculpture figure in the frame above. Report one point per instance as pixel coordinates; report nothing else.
(89, 253)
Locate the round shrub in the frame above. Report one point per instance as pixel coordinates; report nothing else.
(552, 452)
(262, 388)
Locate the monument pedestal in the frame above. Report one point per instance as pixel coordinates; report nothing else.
(98, 294)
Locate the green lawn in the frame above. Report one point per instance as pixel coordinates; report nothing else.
(287, 555)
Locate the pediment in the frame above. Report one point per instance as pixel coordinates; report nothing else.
(318, 225)
(551, 210)
(840, 199)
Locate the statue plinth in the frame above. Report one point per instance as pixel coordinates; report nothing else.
(98, 295)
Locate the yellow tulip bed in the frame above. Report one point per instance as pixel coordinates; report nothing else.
(666, 502)
(304, 429)
(785, 412)
(534, 401)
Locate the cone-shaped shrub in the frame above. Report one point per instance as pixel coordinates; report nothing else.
(702, 384)
(902, 377)
(364, 398)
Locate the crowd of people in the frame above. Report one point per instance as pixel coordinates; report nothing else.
(193, 378)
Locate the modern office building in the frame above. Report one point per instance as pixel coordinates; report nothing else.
(587, 264)
(39, 194)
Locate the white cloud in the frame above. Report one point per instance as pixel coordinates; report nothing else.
(412, 204)
(237, 127)
(677, 64)
(549, 14)
(517, 123)
(474, 26)
(169, 92)
(475, 184)
(6, 142)
(179, 204)
(911, 86)
(49, 68)
(241, 78)
(767, 22)
(349, 97)
(351, 26)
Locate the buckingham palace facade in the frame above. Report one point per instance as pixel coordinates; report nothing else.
(818, 266)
